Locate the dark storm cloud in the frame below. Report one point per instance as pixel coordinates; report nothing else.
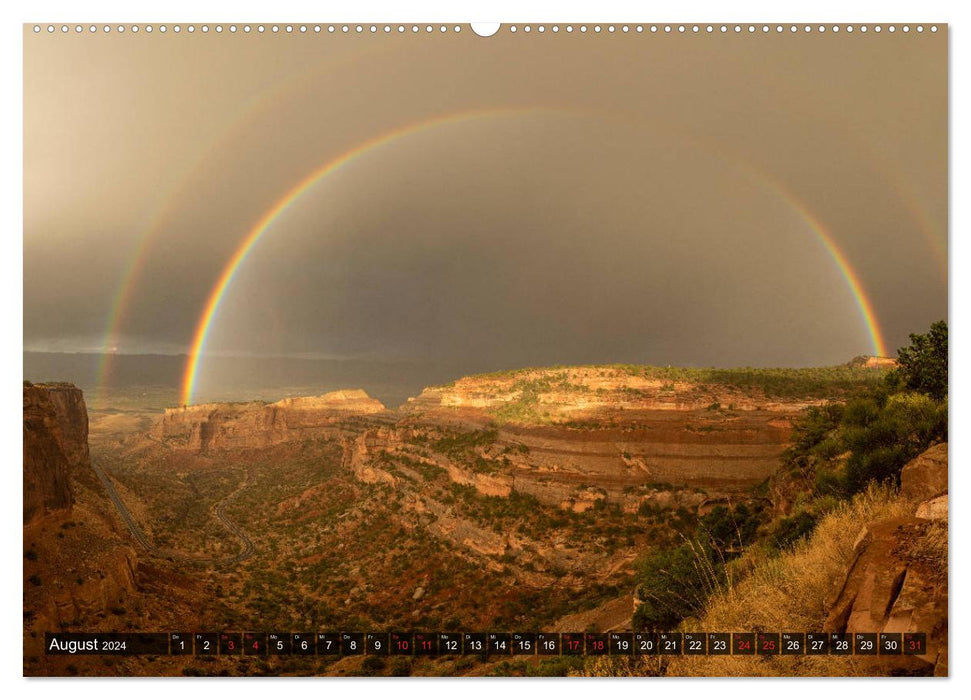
(615, 217)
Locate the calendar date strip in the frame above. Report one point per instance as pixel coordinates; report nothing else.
(488, 644)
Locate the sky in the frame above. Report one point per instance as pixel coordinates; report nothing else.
(527, 199)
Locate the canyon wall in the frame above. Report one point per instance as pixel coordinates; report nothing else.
(55, 446)
(246, 425)
(78, 562)
(579, 393)
(570, 436)
(638, 437)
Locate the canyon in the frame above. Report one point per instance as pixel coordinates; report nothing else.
(568, 437)
(224, 426)
(497, 501)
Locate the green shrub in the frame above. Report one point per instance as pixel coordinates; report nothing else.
(728, 530)
(790, 530)
(883, 438)
(675, 583)
(458, 445)
(870, 438)
(923, 366)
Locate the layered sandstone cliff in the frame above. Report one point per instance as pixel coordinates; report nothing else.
(246, 425)
(55, 446)
(577, 393)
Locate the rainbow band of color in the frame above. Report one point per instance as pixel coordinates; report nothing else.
(862, 301)
(140, 255)
(132, 273)
(218, 292)
(849, 274)
(254, 235)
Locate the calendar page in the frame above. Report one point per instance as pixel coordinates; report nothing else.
(423, 349)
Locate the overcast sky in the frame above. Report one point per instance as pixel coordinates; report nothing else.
(625, 201)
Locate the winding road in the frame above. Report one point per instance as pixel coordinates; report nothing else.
(218, 510)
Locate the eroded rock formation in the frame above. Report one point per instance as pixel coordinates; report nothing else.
(925, 476)
(897, 581)
(78, 562)
(55, 445)
(244, 425)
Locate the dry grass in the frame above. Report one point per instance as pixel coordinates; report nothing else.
(931, 549)
(786, 593)
(790, 593)
(623, 667)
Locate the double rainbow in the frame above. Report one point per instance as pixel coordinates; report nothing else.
(219, 290)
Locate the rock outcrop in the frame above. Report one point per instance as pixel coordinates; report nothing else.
(78, 563)
(933, 508)
(619, 427)
(359, 453)
(580, 438)
(897, 581)
(110, 586)
(55, 446)
(246, 425)
(925, 476)
(875, 361)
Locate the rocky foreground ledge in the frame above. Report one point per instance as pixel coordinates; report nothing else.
(897, 580)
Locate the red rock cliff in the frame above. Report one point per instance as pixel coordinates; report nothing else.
(55, 446)
(231, 426)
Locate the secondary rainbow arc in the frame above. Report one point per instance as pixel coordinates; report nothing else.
(139, 257)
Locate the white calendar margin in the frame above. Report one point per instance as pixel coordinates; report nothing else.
(708, 11)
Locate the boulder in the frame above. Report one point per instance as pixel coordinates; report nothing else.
(933, 509)
(925, 476)
(890, 587)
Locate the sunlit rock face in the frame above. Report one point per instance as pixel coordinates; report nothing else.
(217, 426)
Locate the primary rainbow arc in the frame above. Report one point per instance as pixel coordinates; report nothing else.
(254, 235)
(229, 271)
